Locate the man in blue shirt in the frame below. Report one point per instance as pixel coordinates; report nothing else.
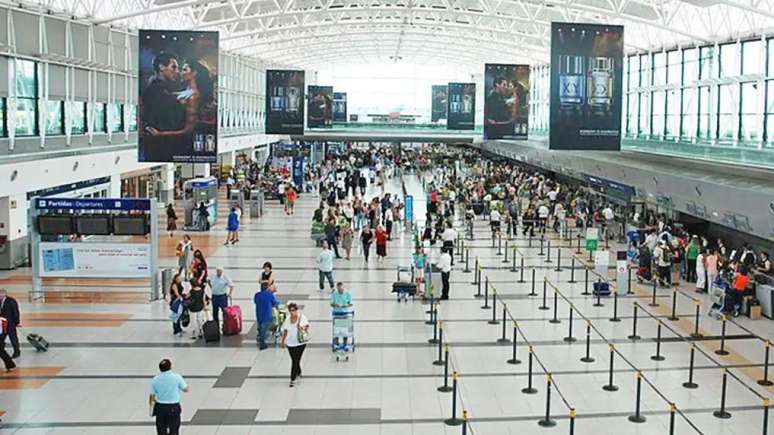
(341, 304)
(265, 300)
(165, 399)
(222, 288)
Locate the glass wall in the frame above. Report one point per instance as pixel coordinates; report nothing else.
(26, 82)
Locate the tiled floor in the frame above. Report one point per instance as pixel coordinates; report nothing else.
(94, 379)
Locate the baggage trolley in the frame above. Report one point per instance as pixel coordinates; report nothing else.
(343, 332)
(405, 285)
(718, 298)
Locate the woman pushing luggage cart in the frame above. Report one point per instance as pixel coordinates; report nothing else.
(342, 324)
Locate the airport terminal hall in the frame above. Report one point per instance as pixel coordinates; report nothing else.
(386, 217)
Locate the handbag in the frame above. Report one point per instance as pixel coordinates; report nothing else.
(304, 336)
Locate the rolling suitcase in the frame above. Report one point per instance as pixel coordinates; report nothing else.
(38, 342)
(601, 289)
(405, 286)
(232, 320)
(478, 208)
(211, 331)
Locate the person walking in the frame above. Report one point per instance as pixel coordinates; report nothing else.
(176, 304)
(366, 238)
(691, 257)
(265, 300)
(222, 288)
(325, 266)
(341, 305)
(295, 335)
(444, 263)
(171, 220)
(267, 275)
(381, 243)
(232, 226)
(346, 239)
(199, 271)
(184, 253)
(291, 195)
(196, 302)
(331, 235)
(9, 310)
(165, 399)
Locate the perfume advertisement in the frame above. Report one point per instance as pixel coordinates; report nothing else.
(178, 102)
(339, 107)
(284, 102)
(320, 107)
(506, 105)
(461, 106)
(438, 107)
(586, 86)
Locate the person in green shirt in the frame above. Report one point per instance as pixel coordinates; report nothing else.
(420, 262)
(691, 254)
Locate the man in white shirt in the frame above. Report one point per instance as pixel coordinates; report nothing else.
(543, 213)
(444, 263)
(448, 237)
(494, 221)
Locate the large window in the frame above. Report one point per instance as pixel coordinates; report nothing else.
(749, 124)
(770, 112)
(78, 117)
(659, 69)
(705, 108)
(690, 66)
(729, 112)
(116, 118)
(674, 67)
(645, 70)
(659, 114)
(673, 113)
(643, 128)
(752, 57)
(99, 121)
(133, 117)
(634, 68)
(689, 118)
(706, 60)
(26, 98)
(55, 121)
(3, 118)
(729, 60)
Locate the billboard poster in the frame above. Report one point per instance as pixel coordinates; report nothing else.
(506, 106)
(178, 102)
(339, 107)
(461, 107)
(438, 108)
(586, 86)
(320, 110)
(284, 102)
(97, 260)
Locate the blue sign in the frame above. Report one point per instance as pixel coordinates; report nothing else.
(409, 210)
(120, 204)
(200, 183)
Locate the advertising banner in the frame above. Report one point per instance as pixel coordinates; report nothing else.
(178, 102)
(586, 86)
(438, 108)
(339, 107)
(461, 107)
(284, 102)
(320, 110)
(100, 260)
(506, 107)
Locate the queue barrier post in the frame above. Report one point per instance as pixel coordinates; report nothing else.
(504, 339)
(766, 403)
(558, 260)
(570, 338)
(674, 317)
(529, 389)
(578, 250)
(461, 248)
(615, 317)
(697, 316)
(532, 292)
(587, 358)
(494, 308)
(722, 351)
(629, 281)
(555, 319)
(548, 421)
(454, 421)
(637, 417)
(500, 244)
(722, 413)
(542, 242)
(572, 271)
(505, 259)
(521, 269)
(478, 281)
(486, 294)
(634, 335)
(464, 422)
(514, 360)
(586, 284)
(529, 240)
(545, 289)
(494, 244)
(672, 411)
(653, 302)
(765, 381)
(610, 386)
(513, 259)
(467, 261)
(572, 421)
(658, 356)
(476, 275)
(436, 325)
(599, 303)
(690, 384)
(445, 388)
(439, 361)
(548, 256)
(431, 312)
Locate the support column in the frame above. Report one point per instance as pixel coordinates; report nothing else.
(13, 227)
(167, 193)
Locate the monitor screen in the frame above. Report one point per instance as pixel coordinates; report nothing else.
(130, 226)
(92, 225)
(55, 225)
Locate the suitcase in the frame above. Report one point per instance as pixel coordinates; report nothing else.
(232, 320)
(408, 288)
(601, 289)
(211, 331)
(38, 342)
(478, 208)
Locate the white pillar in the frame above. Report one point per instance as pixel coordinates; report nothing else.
(167, 193)
(13, 225)
(201, 169)
(115, 186)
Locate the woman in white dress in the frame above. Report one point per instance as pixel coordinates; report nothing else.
(701, 271)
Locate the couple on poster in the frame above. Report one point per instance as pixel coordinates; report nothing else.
(503, 107)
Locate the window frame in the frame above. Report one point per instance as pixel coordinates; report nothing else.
(35, 99)
(61, 108)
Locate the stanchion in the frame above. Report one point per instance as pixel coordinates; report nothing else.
(542, 242)
(638, 417)
(439, 361)
(599, 303)
(672, 410)
(696, 333)
(486, 294)
(445, 388)
(658, 356)
(690, 384)
(461, 248)
(499, 244)
(572, 271)
(514, 360)
(532, 292)
(722, 413)
(586, 284)
(558, 260)
(505, 259)
(529, 389)
(572, 421)
(615, 308)
(629, 281)
(610, 386)
(579, 251)
(570, 338)
(653, 302)
(475, 271)
(555, 319)
(467, 261)
(529, 240)
(674, 317)
(545, 288)
(431, 312)
(722, 351)
(454, 421)
(765, 381)
(504, 339)
(766, 403)
(478, 282)
(435, 328)
(493, 240)
(547, 421)
(634, 335)
(548, 256)
(513, 266)
(494, 308)
(464, 422)
(587, 358)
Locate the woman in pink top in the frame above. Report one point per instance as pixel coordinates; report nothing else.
(711, 264)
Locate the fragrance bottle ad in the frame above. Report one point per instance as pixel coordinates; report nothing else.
(572, 81)
(293, 97)
(600, 82)
(467, 104)
(454, 105)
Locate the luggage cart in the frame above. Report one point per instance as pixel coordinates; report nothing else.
(343, 328)
(717, 296)
(405, 287)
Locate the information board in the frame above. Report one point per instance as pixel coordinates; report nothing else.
(94, 260)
